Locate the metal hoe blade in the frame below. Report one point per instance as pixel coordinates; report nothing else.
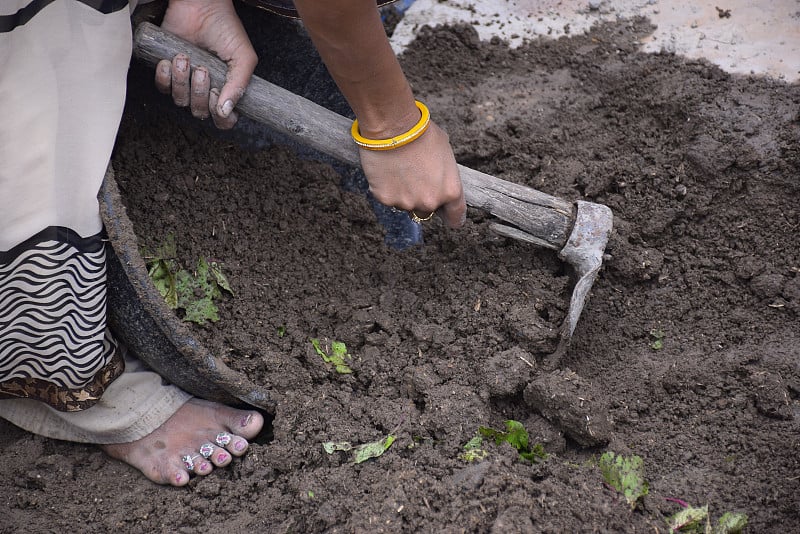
(584, 251)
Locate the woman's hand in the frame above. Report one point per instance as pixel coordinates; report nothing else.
(420, 177)
(214, 26)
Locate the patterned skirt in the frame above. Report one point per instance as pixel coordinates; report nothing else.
(55, 346)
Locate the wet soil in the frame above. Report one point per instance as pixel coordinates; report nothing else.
(686, 355)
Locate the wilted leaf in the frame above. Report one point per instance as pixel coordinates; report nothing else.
(373, 449)
(196, 294)
(731, 523)
(333, 446)
(219, 277)
(192, 292)
(164, 280)
(363, 452)
(625, 475)
(473, 451)
(689, 520)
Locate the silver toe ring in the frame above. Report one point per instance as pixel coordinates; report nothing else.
(222, 439)
(206, 450)
(188, 461)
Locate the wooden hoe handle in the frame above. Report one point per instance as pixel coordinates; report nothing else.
(543, 219)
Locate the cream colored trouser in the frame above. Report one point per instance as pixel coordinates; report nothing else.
(132, 407)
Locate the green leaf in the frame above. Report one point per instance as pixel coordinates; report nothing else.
(338, 349)
(336, 357)
(626, 475)
(689, 520)
(535, 455)
(373, 449)
(731, 523)
(658, 339)
(474, 443)
(281, 331)
(192, 292)
(516, 436)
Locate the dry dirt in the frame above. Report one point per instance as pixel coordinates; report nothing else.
(701, 169)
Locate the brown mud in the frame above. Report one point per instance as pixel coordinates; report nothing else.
(701, 169)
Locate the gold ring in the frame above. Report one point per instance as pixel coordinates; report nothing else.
(417, 219)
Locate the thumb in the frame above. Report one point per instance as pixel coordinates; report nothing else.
(241, 65)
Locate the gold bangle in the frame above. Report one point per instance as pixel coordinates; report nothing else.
(395, 142)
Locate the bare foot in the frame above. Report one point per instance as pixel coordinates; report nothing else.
(160, 455)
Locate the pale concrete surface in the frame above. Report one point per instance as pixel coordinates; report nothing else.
(760, 37)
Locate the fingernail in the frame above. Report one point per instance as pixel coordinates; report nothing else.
(249, 417)
(227, 107)
(181, 63)
(240, 445)
(200, 75)
(222, 458)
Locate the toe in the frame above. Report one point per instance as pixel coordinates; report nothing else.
(221, 457)
(250, 424)
(238, 445)
(203, 467)
(246, 423)
(178, 478)
(173, 473)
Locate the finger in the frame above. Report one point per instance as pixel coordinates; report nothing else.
(164, 76)
(240, 69)
(180, 80)
(200, 93)
(223, 123)
(454, 213)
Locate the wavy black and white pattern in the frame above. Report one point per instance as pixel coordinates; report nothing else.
(53, 309)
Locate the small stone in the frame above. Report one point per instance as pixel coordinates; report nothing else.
(767, 286)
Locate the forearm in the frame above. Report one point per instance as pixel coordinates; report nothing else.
(350, 37)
